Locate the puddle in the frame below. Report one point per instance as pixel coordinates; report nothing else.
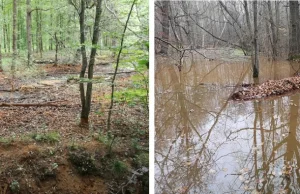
(207, 144)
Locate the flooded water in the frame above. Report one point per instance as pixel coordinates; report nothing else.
(206, 143)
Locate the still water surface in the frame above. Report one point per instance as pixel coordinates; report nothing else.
(206, 143)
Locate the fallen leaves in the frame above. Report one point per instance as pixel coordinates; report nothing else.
(268, 88)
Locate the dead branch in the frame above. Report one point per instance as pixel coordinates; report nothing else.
(51, 103)
(111, 73)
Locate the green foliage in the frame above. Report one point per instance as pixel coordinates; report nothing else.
(83, 161)
(105, 138)
(141, 160)
(119, 167)
(131, 96)
(108, 140)
(294, 58)
(135, 144)
(50, 137)
(14, 186)
(74, 146)
(6, 140)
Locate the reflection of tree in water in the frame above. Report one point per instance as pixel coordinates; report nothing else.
(190, 133)
(187, 164)
(273, 164)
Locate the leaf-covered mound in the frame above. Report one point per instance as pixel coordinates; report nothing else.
(268, 88)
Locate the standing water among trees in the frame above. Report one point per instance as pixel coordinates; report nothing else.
(74, 96)
(227, 96)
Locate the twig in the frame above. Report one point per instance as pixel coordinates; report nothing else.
(117, 66)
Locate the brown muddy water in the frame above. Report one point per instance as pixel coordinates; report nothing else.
(205, 143)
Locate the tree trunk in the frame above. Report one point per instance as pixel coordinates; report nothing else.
(28, 32)
(116, 68)
(268, 42)
(51, 26)
(37, 30)
(8, 37)
(56, 49)
(20, 30)
(14, 37)
(255, 62)
(40, 35)
(4, 37)
(277, 20)
(3, 27)
(248, 18)
(274, 39)
(86, 98)
(294, 33)
(84, 114)
(1, 56)
(188, 30)
(165, 27)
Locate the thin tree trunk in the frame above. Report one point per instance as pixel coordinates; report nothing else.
(20, 29)
(4, 37)
(268, 41)
(51, 26)
(1, 56)
(40, 34)
(277, 18)
(56, 49)
(248, 24)
(165, 27)
(28, 31)
(188, 30)
(294, 39)
(172, 23)
(3, 27)
(8, 37)
(14, 37)
(1, 39)
(37, 30)
(92, 59)
(84, 114)
(116, 69)
(274, 39)
(255, 63)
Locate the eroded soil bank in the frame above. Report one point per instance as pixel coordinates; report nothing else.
(43, 150)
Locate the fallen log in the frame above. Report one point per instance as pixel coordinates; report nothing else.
(43, 61)
(51, 103)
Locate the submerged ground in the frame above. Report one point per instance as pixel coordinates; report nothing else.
(42, 148)
(207, 143)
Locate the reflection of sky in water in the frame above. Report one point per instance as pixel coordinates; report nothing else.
(205, 144)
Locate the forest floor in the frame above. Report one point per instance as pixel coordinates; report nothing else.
(43, 149)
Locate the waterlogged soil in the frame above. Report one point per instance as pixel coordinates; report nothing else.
(44, 150)
(208, 143)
